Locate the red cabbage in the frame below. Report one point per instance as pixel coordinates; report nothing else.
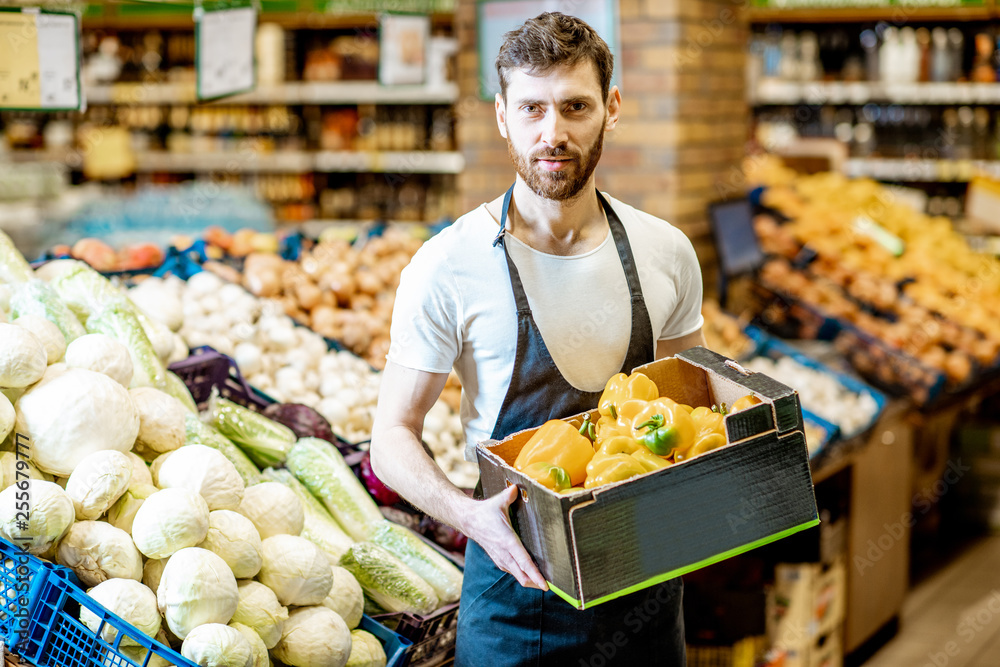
(382, 494)
(303, 420)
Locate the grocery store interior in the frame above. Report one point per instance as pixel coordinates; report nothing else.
(255, 174)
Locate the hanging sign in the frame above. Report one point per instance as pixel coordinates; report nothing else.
(39, 60)
(225, 33)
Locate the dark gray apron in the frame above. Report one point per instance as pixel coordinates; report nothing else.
(500, 622)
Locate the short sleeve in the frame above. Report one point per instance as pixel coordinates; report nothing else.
(686, 318)
(425, 334)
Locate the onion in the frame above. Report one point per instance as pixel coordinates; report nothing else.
(303, 420)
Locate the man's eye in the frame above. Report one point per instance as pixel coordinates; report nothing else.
(578, 106)
(530, 108)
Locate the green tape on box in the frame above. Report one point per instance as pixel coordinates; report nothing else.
(688, 568)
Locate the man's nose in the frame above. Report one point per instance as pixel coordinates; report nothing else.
(554, 129)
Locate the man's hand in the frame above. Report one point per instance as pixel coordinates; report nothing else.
(489, 526)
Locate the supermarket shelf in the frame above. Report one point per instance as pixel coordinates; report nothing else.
(773, 91)
(895, 14)
(304, 92)
(921, 171)
(250, 162)
(290, 20)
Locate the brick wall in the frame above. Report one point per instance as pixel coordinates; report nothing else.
(679, 143)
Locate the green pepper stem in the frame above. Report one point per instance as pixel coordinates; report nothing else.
(655, 422)
(587, 428)
(614, 413)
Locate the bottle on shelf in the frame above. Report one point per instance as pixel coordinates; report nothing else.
(908, 67)
(956, 44)
(869, 44)
(941, 69)
(982, 66)
(810, 67)
(924, 47)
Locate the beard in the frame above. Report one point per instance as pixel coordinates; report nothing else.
(557, 185)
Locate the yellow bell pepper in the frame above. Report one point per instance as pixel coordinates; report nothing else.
(558, 443)
(663, 426)
(743, 403)
(548, 475)
(619, 444)
(704, 444)
(621, 388)
(649, 460)
(612, 468)
(706, 421)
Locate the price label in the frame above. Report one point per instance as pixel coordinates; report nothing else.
(224, 48)
(39, 60)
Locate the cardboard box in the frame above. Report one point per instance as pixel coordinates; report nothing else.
(807, 602)
(600, 544)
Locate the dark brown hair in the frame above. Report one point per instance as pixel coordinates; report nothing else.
(553, 39)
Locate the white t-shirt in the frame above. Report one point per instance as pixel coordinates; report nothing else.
(455, 309)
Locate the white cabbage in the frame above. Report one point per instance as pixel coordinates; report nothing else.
(346, 597)
(161, 421)
(233, 538)
(296, 570)
(22, 357)
(168, 521)
(152, 571)
(140, 471)
(217, 645)
(122, 513)
(155, 465)
(259, 609)
(366, 650)
(102, 354)
(74, 413)
(11, 464)
(130, 600)
(47, 333)
(97, 551)
(197, 587)
(7, 417)
(257, 648)
(99, 479)
(273, 508)
(51, 515)
(314, 637)
(205, 471)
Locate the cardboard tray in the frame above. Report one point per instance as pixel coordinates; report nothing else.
(593, 546)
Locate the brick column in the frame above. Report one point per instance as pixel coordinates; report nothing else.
(684, 120)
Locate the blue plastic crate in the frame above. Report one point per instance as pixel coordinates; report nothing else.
(22, 577)
(774, 348)
(395, 646)
(831, 432)
(57, 638)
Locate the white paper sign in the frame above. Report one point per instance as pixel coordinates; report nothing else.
(39, 61)
(225, 51)
(57, 60)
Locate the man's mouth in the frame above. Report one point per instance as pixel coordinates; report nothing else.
(553, 163)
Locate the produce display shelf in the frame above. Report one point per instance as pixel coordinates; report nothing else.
(920, 170)
(773, 348)
(432, 636)
(292, 92)
(895, 13)
(57, 638)
(257, 162)
(777, 92)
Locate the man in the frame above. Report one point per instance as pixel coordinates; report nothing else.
(536, 299)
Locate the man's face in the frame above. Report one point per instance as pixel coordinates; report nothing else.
(554, 124)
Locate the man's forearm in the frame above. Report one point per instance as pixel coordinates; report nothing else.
(400, 461)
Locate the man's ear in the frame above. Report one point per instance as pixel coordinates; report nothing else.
(501, 109)
(614, 108)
